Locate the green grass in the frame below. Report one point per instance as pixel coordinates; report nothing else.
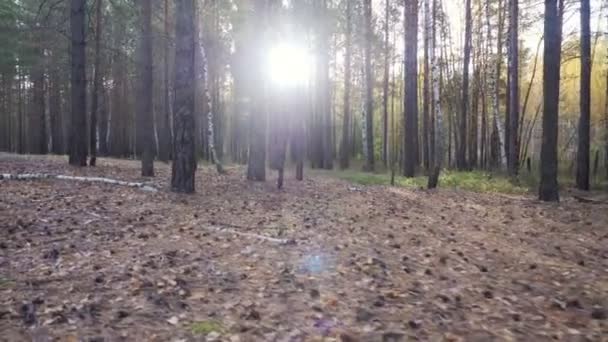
(476, 181)
(205, 327)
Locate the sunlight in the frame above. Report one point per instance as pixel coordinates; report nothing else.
(289, 64)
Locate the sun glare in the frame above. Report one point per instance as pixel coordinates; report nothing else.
(289, 65)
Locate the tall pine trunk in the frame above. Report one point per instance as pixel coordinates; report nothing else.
(96, 85)
(369, 87)
(146, 115)
(438, 153)
(513, 143)
(346, 124)
(549, 190)
(78, 143)
(184, 162)
(411, 88)
(385, 85)
(461, 155)
(584, 125)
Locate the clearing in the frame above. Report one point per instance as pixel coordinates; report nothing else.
(322, 259)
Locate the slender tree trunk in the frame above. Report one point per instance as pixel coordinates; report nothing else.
(346, 124)
(78, 145)
(411, 87)
(38, 129)
(438, 155)
(184, 161)
(164, 136)
(369, 87)
(256, 168)
(96, 85)
(584, 126)
(426, 92)
(513, 157)
(385, 85)
(215, 159)
(146, 116)
(549, 190)
(461, 156)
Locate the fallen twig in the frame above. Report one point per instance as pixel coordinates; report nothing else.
(33, 176)
(589, 200)
(230, 229)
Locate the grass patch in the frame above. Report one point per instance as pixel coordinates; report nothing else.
(5, 283)
(206, 327)
(476, 181)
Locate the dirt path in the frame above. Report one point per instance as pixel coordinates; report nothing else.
(98, 262)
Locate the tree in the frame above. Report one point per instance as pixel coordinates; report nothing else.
(345, 148)
(164, 133)
(513, 129)
(96, 85)
(385, 84)
(461, 155)
(549, 189)
(368, 141)
(146, 117)
(584, 125)
(438, 153)
(78, 144)
(426, 89)
(256, 165)
(184, 162)
(411, 88)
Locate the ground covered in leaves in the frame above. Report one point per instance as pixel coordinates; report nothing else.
(99, 262)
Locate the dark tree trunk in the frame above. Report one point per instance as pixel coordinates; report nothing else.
(146, 116)
(164, 131)
(256, 166)
(96, 86)
(78, 143)
(57, 136)
(385, 85)
(39, 144)
(346, 124)
(549, 190)
(369, 87)
(461, 155)
(184, 162)
(410, 104)
(426, 94)
(584, 125)
(513, 143)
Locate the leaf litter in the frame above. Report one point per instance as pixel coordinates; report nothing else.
(93, 261)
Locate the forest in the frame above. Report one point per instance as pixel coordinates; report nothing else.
(303, 170)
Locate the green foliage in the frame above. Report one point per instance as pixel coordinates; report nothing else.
(476, 181)
(206, 327)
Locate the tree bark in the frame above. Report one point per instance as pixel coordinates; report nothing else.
(369, 87)
(184, 162)
(256, 166)
(346, 124)
(549, 190)
(461, 156)
(438, 154)
(411, 88)
(385, 85)
(426, 92)
(146, 115)
(78, 144)
(584, 125)
(96, 85)
(513, 150)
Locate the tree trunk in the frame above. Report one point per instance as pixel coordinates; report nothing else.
(513, 156)
(426, 92)
(96, 85)
(146, 115)
(369, 87)
(438, 154)
(385, 85)
(461, 155)
(256, 166)
(584, 125)
(184, 162)
(411, 87)
(164, 131)
(346, 124)
(549, 190)
(78, 144)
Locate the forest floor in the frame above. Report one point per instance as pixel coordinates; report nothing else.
(96, 262)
